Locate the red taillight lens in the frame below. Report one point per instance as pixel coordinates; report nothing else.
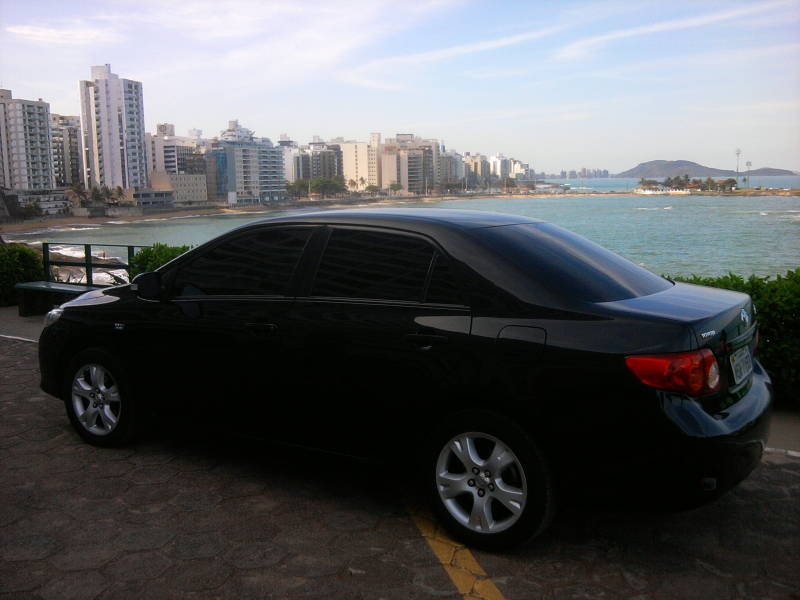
(694, 373)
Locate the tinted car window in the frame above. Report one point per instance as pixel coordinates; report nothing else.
(571, 265)
(373, 264)
(259, 264)
(444, 287)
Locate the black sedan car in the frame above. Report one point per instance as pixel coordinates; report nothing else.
(504, 360)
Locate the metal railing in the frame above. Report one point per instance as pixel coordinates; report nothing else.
(88, 263)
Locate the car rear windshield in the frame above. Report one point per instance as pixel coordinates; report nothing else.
(571, 265)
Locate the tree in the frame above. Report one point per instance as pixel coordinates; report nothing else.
(648, 183)
(709, 185)
(107, 194)
(31, 210)
(297, 188)
(372, 189)
(95, 195)
(328, 186)
(79, 192)
(508, 182)
(362, 182)
(395, 187)
(118, 194)
(352, 184)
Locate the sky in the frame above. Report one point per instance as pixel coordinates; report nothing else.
(559, 85)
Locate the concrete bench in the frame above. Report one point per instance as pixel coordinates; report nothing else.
(38, 297)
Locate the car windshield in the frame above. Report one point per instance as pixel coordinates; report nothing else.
(571, 265)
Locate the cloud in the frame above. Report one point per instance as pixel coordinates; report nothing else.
(75, 34)
(582, 48)
(369, 74)
(689, 66)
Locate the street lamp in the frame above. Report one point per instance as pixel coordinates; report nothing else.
(749, 164)
(738, 152)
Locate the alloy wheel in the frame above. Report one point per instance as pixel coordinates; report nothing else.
(481, 482)
(96, 399)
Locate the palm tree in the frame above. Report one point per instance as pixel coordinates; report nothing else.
(79, 192)
(96, 195)
(351, 183)
(119, 194)
(106, 193)
(362, 182)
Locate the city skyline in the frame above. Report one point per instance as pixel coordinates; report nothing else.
(555, 85)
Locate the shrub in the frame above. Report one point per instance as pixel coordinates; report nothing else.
(18, 263)
(777, 303)
(152, 257)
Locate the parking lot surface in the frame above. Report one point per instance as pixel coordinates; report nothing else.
(185, 516)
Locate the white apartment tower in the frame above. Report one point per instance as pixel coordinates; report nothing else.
(26, 161)
(355, 163)
(167, 151)
(112, 130)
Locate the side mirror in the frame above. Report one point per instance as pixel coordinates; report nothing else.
(147, 285)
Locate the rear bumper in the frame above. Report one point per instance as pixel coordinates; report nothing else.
(692, 457)
(716, 452)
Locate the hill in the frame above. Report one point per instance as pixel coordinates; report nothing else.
(657, 169)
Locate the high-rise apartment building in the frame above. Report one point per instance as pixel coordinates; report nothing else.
(65, 132)
(244, 169)
(476, 168)
(408, 141)
(167, 151)
(355, 163)
(26, 161)
(374, 176)
(499, 165)
(408, 167)
(112, 130)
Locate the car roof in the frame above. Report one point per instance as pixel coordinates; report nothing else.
(394, 217)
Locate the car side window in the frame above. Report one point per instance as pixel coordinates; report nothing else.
(377, 265)
(444, 286)
(257, 264)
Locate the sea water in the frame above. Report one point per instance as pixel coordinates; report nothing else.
(673, 235)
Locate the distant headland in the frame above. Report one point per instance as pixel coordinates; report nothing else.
(679, 168)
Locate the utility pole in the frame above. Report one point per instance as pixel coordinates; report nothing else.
(749, 164)
(738, 152)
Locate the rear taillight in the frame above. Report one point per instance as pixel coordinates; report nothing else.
(694, 373)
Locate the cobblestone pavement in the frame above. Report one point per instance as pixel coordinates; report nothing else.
(175, 516)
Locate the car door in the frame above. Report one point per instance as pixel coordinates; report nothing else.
(368, 343)
(214, 345)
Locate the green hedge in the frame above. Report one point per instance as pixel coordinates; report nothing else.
(777, 304)
(152, 257)
(18, 263)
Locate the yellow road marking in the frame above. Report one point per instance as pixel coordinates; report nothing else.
(467, 575)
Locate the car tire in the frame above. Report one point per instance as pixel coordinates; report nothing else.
(487, 481)
(98, 399)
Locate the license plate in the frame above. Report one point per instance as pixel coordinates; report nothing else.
(741, 363)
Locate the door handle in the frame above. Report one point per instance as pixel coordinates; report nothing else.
(426, 340)
(258, 328)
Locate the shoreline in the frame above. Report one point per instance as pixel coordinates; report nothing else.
(57, 222)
